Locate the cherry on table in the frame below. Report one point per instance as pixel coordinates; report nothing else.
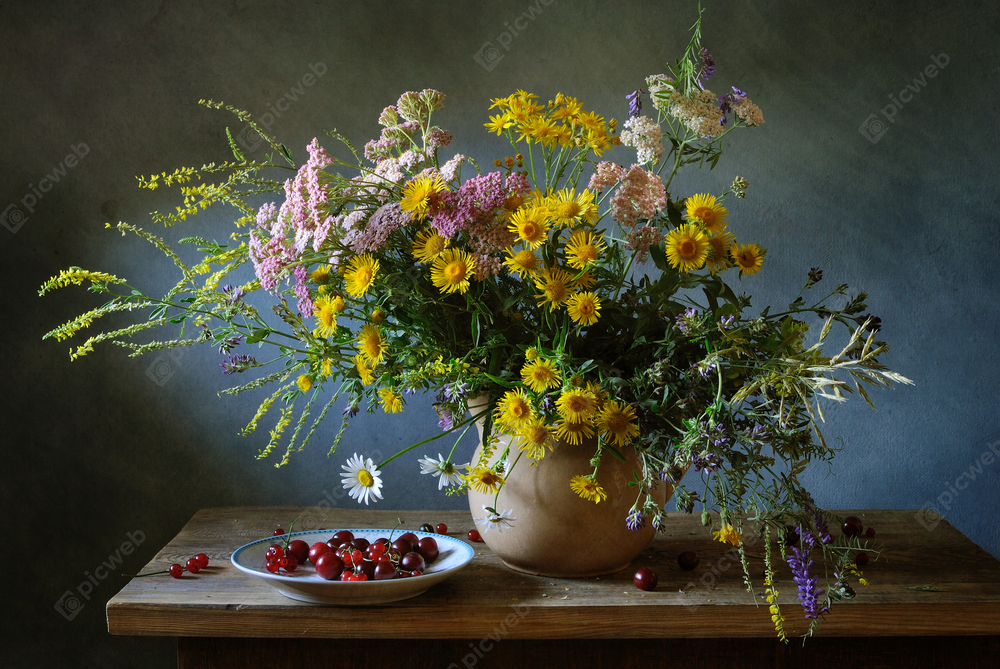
(441, 528)
(645, 579)
(193, 566)
(176, 570)
(278, 532)
(861, 559)
(475, 536)
(852, 526)
(202, 560)
(688, 560)
(870, 533)
(329, 567)
(426, 527)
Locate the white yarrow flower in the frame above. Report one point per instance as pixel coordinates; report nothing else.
(497, 520)
(361, 479)
(447, 472)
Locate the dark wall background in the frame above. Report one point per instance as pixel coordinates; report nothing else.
(110, 445)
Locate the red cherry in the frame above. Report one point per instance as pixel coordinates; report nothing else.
(861, 559)
(870, 533)
(289, 563)
(688, 560)
(361, 577)
(278, 532)
(360, 543)
(176, 570)
(403, 545)
(375, 551)
(193, 566)
(202, 560)
(368, 569)
(273, 566)
(384, 571)
(299, 550)
(645, 579)
(275, 552)
(317, 549)
(428, 548)
(329, 567)
(410, 536)
(347, 576)
(852, 526)
(344, 536)
(441, 528)
(382, 540)
(403, 574)
(418, 573)
(413, 562)
(474, 535)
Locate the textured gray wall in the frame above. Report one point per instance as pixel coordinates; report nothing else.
(99, 448)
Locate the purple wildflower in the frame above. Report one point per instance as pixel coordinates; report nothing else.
(228, 344)
(876, 323)
(456, 391)
(351, 410)
(815, 275)
(233, 295)
(707, 66)
(727, 322)
(237, 364)
(709, 462)
(726, 103)
(635, 521)
(685, 320)
(445, 419)
(809, 595)
(635, 102)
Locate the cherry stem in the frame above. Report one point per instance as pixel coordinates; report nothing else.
(288, 536)
(152, 573)
(399, 521)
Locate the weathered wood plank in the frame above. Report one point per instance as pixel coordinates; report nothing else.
(221, 601)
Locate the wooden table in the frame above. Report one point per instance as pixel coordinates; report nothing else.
(490, 616)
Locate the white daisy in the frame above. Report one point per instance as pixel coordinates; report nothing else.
(361, 479)
(448, 472)
(497, 520)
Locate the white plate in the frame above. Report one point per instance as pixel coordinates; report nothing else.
(304, 585)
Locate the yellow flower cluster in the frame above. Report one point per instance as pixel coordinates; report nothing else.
(704, 242)
(565, 220)
(562, 122)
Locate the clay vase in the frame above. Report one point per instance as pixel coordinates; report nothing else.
(556, 532)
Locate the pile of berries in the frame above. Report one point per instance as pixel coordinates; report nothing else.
(345, 557)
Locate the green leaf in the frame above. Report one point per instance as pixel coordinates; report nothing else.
(615, 452)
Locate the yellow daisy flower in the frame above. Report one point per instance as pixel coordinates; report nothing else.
(718, 256)
(584, 248)
(687, 247)
(378, 316)
(428, 245)
(326, 318)
(327, 368)
(371, 345)
(451, 271)
(320, 274)
(337, 304)
(304, 382)
(573, 433)
(531, 226)
(365, 370)
(587, 488)
(392, 402)
(616, 422)
(531, 354)
(483, 480)
(419, 192)
(592, 121)
(585, 281)
(728, 534)
(569, 208)
(712, 214)
(584, 308)
(599, 393)
(360, 275)
(555, 286)
(500, 122)
(523, 263)
(534, 437)
(577, 405)
(513, 410)
(540, 376)
(749, 257)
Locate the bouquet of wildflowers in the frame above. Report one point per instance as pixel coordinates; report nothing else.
(581, 297)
